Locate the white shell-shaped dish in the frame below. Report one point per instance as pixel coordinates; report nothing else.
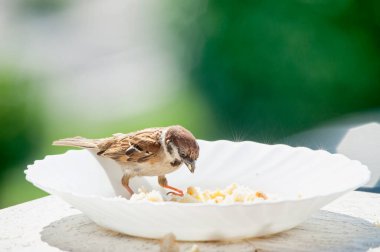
(304, 180)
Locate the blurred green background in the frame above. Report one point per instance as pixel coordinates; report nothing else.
(238, 70)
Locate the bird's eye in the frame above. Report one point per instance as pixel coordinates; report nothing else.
(182, 155)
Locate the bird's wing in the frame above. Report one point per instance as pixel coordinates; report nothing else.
(134, 147)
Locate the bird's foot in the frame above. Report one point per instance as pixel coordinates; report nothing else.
(125, 183)
(180, 194)
(129, 190)
(176, 192)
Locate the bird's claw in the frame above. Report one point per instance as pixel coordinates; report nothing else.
(180, 193)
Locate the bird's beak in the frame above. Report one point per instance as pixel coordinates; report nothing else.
(190, 165)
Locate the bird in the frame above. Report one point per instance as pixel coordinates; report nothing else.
(148, 152)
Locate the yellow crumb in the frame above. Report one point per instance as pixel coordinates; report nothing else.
(194, 248)
(231, 194)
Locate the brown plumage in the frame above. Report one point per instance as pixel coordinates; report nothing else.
(148, 152)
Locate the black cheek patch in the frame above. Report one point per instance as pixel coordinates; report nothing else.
(175, 163)
(169, 148)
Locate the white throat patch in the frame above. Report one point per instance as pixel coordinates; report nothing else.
(174, 155)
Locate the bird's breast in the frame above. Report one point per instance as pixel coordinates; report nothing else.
(161, 164)
(160, 169)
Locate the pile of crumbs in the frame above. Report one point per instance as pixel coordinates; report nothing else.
(231, 194)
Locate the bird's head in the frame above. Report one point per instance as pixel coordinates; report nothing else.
(182, 146)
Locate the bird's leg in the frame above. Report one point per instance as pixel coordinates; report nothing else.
(125, 182)
(164, 183)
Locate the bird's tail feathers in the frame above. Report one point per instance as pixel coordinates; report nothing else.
(77, 142)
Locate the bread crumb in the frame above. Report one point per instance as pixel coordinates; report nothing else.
(169, 244)
(231, 194)
(194, 248)
(153, 196)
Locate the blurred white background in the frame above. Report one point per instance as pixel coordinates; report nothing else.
(108, 58)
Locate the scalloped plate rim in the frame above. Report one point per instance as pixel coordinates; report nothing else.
(271, 202)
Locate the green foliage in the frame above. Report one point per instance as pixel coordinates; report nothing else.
(42, 6)
(20, 124)
(186, 108)
(19, 117)
(262, 70)
(16, 189)
(273, 68)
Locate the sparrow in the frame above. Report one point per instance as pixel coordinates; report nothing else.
(148, 152)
